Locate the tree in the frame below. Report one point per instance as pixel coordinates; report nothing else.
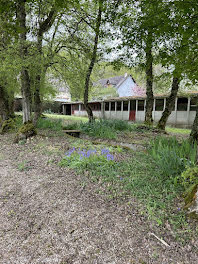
(140, 24)
(170, 104)
(44, 24)
(25, 79)
(93, 60)
(8, 67)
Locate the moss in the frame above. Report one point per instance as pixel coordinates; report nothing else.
(190, 195)
(190, 176)
(28, 130)
(191, 201)
(7, 125)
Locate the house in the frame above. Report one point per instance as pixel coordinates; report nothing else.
(123, 85)
(132, 108)
(62, 90)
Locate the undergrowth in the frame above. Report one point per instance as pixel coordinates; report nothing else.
(173, 157)
(47, 123)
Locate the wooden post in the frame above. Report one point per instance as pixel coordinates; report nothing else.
(176, 99)
(154, 103)
(129, 105)
(188, 111)
(164, 104)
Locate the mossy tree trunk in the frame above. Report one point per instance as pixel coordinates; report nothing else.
(25, 80)
(44, 26)
(149, 81)
(4, 104)
(93, 60)
(194, 131)
(170, 104)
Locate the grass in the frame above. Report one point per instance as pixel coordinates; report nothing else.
(118, 179)
(138, 175)
(175, 130)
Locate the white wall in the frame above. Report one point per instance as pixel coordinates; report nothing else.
(96, 114)
(126, 88)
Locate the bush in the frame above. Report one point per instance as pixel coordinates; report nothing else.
(47, 123)
(173, 157)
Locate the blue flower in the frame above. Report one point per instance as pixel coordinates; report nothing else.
(104, 151)
(110, 157)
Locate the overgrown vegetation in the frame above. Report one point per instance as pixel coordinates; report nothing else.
(52, 124)
(172, 157)
(160, 168)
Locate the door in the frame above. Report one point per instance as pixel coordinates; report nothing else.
(132, 110)
(68, 109)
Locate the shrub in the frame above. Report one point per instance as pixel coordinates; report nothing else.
(171, 156)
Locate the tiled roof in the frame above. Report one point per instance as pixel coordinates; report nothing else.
(126, 98)
(115, 81)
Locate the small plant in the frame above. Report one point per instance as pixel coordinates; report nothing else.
(172, 157)
(23, 166)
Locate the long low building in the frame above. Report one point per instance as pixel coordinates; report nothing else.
(133, 109)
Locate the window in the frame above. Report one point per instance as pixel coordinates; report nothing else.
(82, 107)
(132, 105)
(182, 104)
(112, 106)
(193, 102)
(107, 106)
(140, 105)
(75, 107)
(159, 104)
(125, 105)
(99, 106)
(118, 106)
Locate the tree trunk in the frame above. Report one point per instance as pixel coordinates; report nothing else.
(93, 59)
(25, 80)
(170, 104)
(194, 131)
(37, 98)
(4, 105)
(44, 26)
(149, 82)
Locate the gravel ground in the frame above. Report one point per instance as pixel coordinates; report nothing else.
(47, 217)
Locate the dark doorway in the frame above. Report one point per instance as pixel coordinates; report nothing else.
(132, 110)
(68, 109)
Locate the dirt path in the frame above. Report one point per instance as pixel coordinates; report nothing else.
(47, 217)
